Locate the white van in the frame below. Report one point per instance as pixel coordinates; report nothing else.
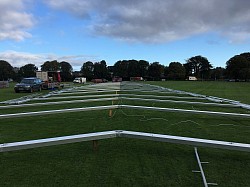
(80, 80)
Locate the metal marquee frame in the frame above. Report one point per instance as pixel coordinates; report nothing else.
(60, 102)
(46, 112)
(110, 107)
(120, 90)
(186, 111)
(124, 87)
(118, 99)
(206, 184)
(6, 147)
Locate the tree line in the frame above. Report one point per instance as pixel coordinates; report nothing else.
(237, 68)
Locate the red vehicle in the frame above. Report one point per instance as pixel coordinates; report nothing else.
(117, 79)
(136, 79)
(51, 79)
(98, 80)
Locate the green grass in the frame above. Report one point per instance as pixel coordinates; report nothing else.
(9, 93)
(128, 162)
(230, 90)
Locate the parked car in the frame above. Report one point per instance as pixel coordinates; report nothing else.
(29, 85)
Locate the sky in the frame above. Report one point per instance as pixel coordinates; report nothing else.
(76, 31)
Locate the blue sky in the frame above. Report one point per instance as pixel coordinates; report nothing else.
(34, 31)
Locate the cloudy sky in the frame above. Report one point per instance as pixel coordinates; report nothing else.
(34, 31)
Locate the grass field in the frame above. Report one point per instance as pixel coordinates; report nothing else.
(128, 162)
(231, 90)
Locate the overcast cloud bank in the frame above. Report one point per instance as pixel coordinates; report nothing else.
(158, 21)
(161, 20)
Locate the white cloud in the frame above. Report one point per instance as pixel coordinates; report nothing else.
(161, 20)
(14, 20)
(77, 60)
(18, 59)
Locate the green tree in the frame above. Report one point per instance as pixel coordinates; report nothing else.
(198, 66)
(175, 71)
(87, 70)
(110, 70)
(143, 67)
(205, 68)
(121, 69)
(51, 66)
(137, 68)
(217, 73)
(238, 67)
(28, 70)
(66, 71)
(155, 71)
(6, 70)
(100, 70)
(189, 69)
(246, 55)
(133, 68)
